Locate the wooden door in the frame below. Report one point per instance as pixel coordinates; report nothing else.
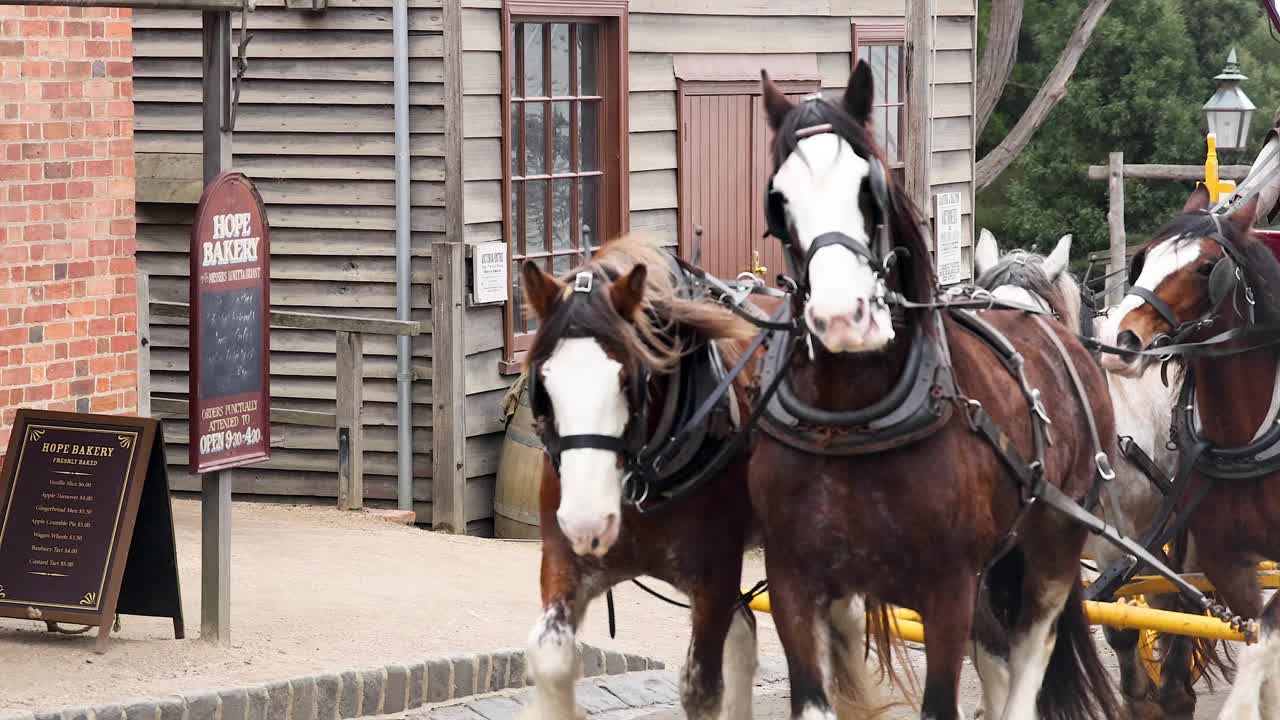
(724, 169)
(716, 169)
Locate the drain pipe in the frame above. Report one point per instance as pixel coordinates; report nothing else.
(404, 275)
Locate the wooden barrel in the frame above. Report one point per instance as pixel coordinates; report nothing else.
(515, 502)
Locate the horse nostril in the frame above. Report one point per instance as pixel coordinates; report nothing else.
(595, 543)
(819, 324)
(859, 310)
(1128, 340)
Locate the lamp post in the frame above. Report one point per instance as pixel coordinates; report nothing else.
(1229, 111)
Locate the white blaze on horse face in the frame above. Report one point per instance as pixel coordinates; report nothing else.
(822, 182)
(584, 385)
(1161, 262)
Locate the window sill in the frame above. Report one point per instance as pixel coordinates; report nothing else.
(514, 366)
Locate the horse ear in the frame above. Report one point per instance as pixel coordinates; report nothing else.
(1057, 261)
(1197, 200)
(860, 93)
(1244, 216)
(988, 252)
(776, 103)
(627, 292)
(541, 289)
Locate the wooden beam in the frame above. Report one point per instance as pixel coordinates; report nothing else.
(1115, 223)
(1169, 172)
(307, 321)
(142, 290)
(350, 424)
(215, 501)
(448, 390)
(917, 151)
(178, 408)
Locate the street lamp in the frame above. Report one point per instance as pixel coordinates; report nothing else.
(1229, 111)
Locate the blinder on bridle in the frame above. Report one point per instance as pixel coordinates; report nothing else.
(797, 259)
(629, 446)
(1223, 279)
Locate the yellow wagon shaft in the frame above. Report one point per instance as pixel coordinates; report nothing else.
(908, 625)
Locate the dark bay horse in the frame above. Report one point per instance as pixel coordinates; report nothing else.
(886, 481)
(1206, 278)
(620, 351)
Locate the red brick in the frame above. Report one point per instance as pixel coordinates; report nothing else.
(104, 403)
(123, 381)
(36, 393)
(60, 371)
(81, 388)
(16, 376)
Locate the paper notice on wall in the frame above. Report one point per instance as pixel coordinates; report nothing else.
(489, 272)
(947, 236)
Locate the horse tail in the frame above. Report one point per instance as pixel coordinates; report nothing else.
(1209, 658)
(1076, 686)
(857, 691)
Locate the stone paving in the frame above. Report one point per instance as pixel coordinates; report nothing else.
(609, 697)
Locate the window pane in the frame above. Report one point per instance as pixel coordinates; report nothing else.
(516, 223)
(894, 65)
(589, 209)
(588, 60)
(560, 137)
(879, 116)
(514, 140)
(535, 216)
(560, 60)
(517, 296)
(892, 128)
(563, 264)
(533, 61)
(864, 53)
(535, 138)
(589, 135)
(561, 236)
(515, 66)
(879, 55)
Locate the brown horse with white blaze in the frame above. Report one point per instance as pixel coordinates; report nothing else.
(616, 341)
(920, 512)
(1206, 278)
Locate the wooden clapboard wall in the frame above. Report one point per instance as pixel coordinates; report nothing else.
(659, 31)
(314, 130)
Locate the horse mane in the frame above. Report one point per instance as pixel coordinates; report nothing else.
(1021, 269)
(667, 324)
(1255, 259)
(919, 281)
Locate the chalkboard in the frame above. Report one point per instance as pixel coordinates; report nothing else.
(86, 528)
(230, 304)
(231, 336)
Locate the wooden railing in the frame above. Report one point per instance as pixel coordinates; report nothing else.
(346, 421)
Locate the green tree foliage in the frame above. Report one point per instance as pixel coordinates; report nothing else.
(1138, 89)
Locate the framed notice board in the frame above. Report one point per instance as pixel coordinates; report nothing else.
(86, 525)
(230, 375)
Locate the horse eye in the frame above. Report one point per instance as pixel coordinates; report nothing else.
(1206, 268)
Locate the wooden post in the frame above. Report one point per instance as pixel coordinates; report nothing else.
(350, 425)
(919, 97)
(448, 389)
(143, 289)
(1115, 222)
(215, 500)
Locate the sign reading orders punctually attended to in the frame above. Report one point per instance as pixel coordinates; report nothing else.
(86, 528)
(230, 303)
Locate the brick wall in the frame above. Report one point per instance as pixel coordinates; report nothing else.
(68, 322)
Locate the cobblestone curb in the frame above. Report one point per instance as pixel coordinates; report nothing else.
(351, 694)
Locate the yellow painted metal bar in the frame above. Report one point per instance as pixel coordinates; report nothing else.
(1157, 585)
(1116, 615)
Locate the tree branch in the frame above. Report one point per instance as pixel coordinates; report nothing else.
(997, 58)
(1051, 93)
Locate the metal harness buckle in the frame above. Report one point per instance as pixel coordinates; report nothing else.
(1103, 463)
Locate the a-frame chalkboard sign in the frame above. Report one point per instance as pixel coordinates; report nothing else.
(86, 524)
